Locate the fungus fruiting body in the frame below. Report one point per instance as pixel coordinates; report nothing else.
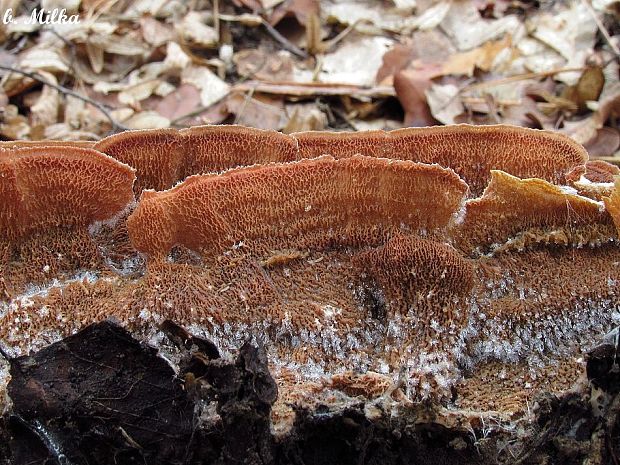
(51, 196)
(164, 157)
(434, 262)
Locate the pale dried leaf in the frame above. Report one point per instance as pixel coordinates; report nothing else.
(134, 94)
(155, 32)
(264, 65)
(22, 25)
(432, 17)
(119, 45)
(75, 112)
(45, 111)
(194, 31)
(374, 13)
(13, 125)
(164, 88)
(256, 113)
(270, 3)
(408, 5)
(212, 88)
(147, 120)
(444, 102)
(566, 31)
(468, 29)
(37, 59)
(304, 117)
(482, 58)
(95, 56)
(356, 62)
(176, 57)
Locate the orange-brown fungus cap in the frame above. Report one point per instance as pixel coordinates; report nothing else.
(46, 187)
(343, 144)
(473, 151)
(515, 212)
(218, 148)
(601, 171)
(164, 157)
(309, 204)
(612, 203)
(157, 155)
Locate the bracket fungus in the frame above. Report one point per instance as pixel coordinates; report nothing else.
(51, 195)
(316, 203)
(420, 261)
(164, 157)
(529, 211)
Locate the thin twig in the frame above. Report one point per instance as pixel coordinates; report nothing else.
(330, 44)
(283, 40)
(601, 27)
(247, 98)
(71, 47)
(116, 126)
(520, 77)
(216, 19)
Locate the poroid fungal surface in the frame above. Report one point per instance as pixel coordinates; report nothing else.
(458, 264)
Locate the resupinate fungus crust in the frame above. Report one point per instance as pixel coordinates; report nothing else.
(472, 266)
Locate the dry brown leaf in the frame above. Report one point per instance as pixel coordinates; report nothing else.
(608, 106)
(482, 58)
(45, 111)
(588, 88)
(182, 101)
(155, 32)
(605, 143)
(249, 111)
(410, 86)
(394, 60)
(311, 89)
(264, 65)
(444, 102)
(195, 31)
(212, 88)
(304, 117)
(13, 125)
(426, 47)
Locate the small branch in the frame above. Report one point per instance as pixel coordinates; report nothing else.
(116, 126)
(283, 41)
(520, 77)
(216, 19)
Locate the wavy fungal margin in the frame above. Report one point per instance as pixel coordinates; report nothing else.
(166, 156)
(57, 186)
(313, 203)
